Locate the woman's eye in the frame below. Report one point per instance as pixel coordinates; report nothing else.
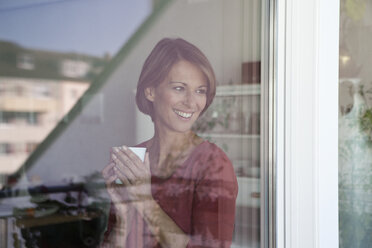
(178, 88)
(202, 91)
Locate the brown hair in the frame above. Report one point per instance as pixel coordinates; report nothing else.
(158, 64)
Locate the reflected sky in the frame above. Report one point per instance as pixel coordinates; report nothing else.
(84, 26)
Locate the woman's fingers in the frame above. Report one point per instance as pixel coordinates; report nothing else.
(111, 181)
(147, 160)
(129, 167)
(136, 160)
(129, 160)
(111, 174)
(122, 171)
(107, 171)
(134, 174)
(124, 178)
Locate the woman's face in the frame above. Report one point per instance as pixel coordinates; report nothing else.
(180, 98)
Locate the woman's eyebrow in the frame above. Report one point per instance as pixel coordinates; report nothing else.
(185, 84)
(176, 82)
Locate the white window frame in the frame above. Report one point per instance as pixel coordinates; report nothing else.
(305, 83)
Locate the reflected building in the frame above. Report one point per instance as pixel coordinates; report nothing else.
(37, 89)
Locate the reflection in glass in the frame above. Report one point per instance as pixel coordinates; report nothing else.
(355, 125)
(38, 88)
(63, 190)
(50, 54)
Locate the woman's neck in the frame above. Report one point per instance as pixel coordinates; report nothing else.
(169, 142)
(167, 149)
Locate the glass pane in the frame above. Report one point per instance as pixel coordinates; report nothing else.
(355, 125)
(49, 59)
(50, 54)
(201, 189)
(233, 123)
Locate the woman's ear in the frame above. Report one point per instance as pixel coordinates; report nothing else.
(150, 93)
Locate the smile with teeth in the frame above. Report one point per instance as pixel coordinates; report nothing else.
(183, 114)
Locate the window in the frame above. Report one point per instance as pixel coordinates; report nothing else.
(99, 113)
(26, 62)
(355, 125)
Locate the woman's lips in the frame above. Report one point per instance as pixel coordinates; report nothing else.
(185, 115)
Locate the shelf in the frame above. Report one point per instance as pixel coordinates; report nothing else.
(230, 135)
(249, 192)
(238, 90)
(55, 219)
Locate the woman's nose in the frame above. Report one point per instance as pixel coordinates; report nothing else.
(189, 100)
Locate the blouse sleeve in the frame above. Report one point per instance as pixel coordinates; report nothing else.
(215, 194)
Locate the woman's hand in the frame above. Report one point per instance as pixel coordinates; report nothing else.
(117, 192)
(123, 210)
(135, 174)
(136, 178)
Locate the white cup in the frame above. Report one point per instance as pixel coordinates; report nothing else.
(140, 152)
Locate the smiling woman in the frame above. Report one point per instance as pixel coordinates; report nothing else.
(184, 192)
(180, 98)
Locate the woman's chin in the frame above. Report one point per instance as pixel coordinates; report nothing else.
(177, 124)
(183, 127)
